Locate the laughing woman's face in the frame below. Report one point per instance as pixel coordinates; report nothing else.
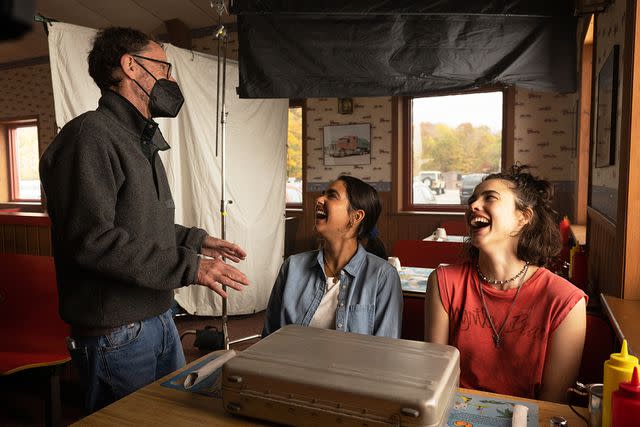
(332, 213)
(493, 219)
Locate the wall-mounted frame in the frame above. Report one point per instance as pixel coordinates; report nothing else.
(606, 111)
(345, 105)
(347, 145)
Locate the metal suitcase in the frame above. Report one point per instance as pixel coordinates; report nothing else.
(306, 376)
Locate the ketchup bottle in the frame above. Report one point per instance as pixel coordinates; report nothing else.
(565, 226)
(625, 403)
(617, 369)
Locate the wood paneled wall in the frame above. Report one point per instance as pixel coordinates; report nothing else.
(25, 239)
(25, 234)
(604, 269)
(614, 248)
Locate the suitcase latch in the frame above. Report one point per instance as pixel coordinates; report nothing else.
(234, 407)
(237, 379)
(410, 412)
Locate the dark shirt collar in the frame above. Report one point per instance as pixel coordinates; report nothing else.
(131, 119)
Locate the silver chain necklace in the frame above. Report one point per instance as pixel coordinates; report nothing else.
(500, 282)
(497, 335)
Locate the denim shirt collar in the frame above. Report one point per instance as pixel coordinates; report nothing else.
(353, 266)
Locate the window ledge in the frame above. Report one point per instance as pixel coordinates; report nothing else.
(24, 206)
(25, 218)
(440, 213)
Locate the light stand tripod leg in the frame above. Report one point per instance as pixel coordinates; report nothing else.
(221, 35)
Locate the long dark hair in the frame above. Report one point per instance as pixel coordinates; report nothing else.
(539, 239)
(363, 196)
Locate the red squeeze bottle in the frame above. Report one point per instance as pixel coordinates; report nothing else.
(625, 403)
(564, 230)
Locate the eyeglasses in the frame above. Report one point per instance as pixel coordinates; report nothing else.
(165, 64)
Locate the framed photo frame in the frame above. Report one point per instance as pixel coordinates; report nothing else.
(606, 111)
(347, 145)
(345, 105)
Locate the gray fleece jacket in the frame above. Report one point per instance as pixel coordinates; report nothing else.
(117, 251)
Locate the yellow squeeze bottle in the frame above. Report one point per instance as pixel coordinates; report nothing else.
(617, 369)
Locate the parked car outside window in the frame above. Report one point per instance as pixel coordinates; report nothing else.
(433, 180)
(469, 183)
(422, 194)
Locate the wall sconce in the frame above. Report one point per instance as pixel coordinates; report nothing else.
(345, 105)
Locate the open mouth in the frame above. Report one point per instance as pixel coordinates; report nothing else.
(479, 222)
(320, 213)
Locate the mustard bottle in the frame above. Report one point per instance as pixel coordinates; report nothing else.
(617, 369)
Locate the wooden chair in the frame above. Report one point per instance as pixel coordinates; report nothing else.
(422, 253)
(32, 335)
(455, 228)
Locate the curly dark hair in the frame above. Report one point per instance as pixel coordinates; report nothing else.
(108, 47)
(539, 239)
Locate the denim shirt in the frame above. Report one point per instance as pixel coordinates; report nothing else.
(369, 299)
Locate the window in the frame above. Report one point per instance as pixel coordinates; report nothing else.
(294, 156)
(451, 143)
(23, 157)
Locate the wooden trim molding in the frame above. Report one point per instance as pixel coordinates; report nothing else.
(628, 232)
(508, 127)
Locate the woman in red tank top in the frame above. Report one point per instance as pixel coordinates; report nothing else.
(519, 327)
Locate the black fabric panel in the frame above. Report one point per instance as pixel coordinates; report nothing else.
(396, 7)
(304, 56)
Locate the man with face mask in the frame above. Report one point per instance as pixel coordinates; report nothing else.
(118, 253)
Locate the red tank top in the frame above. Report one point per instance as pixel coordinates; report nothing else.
(515, 368)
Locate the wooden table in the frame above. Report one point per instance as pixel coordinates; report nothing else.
(624, 315)
(155, 405)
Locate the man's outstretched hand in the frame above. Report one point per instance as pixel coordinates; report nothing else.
(214, 248)
(213, 273)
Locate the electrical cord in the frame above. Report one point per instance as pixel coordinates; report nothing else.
(580, 393)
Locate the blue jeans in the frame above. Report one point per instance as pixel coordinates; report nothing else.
(112, 366)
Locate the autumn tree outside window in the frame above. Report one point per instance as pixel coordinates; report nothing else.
(451, 143)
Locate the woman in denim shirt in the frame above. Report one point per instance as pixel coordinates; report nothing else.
(341, 286)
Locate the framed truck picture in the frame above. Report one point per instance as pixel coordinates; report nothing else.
(347, 145)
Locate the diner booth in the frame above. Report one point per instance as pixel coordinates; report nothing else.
(567, 78)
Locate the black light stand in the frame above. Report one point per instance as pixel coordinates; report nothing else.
(221, 112)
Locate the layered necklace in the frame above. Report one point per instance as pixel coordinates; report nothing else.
(497, 334)
(332, 273)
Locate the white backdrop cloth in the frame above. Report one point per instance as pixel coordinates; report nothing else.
(254, 160)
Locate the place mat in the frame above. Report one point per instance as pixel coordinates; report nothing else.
(471, 410)
(210, 386)
(414, 279)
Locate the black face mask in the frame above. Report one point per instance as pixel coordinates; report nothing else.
(165, 99)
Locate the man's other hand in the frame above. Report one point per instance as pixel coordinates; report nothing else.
(213, 273)
(214, 247)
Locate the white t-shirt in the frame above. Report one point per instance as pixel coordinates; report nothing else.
(325, 315)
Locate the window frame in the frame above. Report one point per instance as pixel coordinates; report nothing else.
(299, 103)
(508, 100)
(14, 184)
